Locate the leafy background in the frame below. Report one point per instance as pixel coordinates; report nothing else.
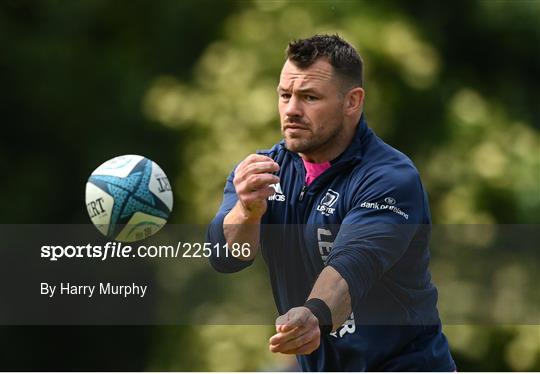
(191, 85)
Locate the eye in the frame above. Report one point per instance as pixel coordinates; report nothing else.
(285, 96)
(311, 98)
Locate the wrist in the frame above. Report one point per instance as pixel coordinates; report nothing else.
(246, 215)
(323, 314)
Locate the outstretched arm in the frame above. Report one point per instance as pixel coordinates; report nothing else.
(298, 331)
(369, 243)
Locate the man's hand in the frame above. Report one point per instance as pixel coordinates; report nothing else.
(297, 332)
(252, 180)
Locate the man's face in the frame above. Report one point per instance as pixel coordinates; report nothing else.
(310, 107)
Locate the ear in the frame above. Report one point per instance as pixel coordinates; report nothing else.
(354, 101)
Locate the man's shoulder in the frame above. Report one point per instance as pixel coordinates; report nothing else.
(388, 173)
(383, 170)
(377, 150)
(382, 162)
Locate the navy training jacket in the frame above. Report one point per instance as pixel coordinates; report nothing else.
(368, 217)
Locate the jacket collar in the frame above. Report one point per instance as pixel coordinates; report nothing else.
(354, 151)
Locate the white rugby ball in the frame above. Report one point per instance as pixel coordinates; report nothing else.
(129, 198)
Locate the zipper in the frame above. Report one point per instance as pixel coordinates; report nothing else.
(302, 193)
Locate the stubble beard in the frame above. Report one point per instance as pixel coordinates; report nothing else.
(311, 144)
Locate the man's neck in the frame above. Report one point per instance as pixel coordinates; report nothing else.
(331, 151)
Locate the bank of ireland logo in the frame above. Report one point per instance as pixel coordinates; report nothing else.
(390, 200)
(389, 204)
(278, 195)
(326, 206)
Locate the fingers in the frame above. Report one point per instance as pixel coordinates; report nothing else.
(298, 316)
(254, 157)
(284, 328)
(298, 341)
(253, 197)
(252, 180)
(251, 173)
(287, 326)
(256, 182)
(282, 322)
(306, 349)
(257, 163)
(297, 332)
(261, 167)
(284, 337)
(255, 172)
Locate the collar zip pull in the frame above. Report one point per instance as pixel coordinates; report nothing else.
(302, 193)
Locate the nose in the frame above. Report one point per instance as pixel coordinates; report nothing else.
(293, 108)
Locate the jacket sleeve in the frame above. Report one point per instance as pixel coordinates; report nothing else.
(385, 214)
(215, 235)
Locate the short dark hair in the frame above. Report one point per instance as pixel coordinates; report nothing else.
(345, 60)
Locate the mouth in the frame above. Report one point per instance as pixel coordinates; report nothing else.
(293, 131)
(294, 126)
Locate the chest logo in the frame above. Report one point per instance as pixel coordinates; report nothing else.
(278, 195)
(326, 206)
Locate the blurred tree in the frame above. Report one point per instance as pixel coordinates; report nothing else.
(73, 77)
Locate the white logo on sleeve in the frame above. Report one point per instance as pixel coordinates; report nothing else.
(348, 327)
(327, 203)
(390, 205)
(278, 195)
(325, 239)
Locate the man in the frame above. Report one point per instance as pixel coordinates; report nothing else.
(343, 224)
